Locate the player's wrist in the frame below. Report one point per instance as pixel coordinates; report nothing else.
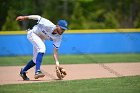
(26, 17)
(57, 63)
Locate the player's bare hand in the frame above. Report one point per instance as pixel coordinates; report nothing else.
(20, 18)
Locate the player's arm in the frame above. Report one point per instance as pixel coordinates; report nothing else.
(55, 55)
(34, 17)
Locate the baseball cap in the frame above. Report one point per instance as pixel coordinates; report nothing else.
(63, 24)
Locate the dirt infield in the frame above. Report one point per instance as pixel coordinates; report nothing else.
(10, 74)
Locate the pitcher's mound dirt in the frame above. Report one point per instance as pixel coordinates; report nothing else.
(10, 74)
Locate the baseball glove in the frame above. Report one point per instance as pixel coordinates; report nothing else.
(60, 72)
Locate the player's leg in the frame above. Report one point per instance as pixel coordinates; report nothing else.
(37, 58)
(29, 65)
(38, 72)
(23, 71)
(39, 50)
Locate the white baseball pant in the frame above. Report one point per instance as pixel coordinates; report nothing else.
(37, 42)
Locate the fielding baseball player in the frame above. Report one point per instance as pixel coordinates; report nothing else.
(44, 30)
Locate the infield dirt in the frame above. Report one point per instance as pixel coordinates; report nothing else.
(10, 74)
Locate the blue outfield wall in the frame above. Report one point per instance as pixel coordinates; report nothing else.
(75, 43)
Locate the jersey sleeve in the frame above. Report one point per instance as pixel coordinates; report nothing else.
(56, 43)
(41, 20)
(34, 17)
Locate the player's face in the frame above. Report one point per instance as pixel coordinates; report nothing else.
(60, 31)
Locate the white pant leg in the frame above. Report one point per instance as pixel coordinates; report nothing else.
(38, 44)
(34, 54)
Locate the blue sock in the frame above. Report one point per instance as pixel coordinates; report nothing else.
(28, 66)
(39, 61)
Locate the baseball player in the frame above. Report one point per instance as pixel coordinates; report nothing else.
(44, 30)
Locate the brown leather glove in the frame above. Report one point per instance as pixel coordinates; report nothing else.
(60, 72)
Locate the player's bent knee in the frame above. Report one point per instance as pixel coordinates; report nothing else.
(42, 50)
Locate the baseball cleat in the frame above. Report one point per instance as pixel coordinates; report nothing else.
(39, 74)
(23, 75)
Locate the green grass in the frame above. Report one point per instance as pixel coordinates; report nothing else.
(73, 59)
(108, 85)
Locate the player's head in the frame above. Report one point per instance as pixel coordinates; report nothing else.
(63, 24)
